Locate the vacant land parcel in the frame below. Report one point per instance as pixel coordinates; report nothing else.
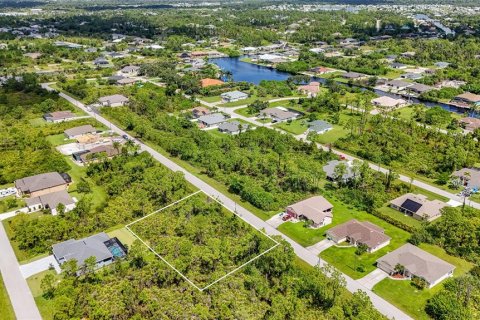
(201, 239)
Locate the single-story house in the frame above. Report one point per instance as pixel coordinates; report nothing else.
(469, 177)
(388, 103)
(468, 98)
(115, 100)
(197, 112)
(316, 209)
(101, 246)
(233, 96)
(130, 70)
(75, 132)
(41, 184)
(418, 263)
(329, 170)
(420, 88)
(278, 114)
(126, 81)
(33, 55)
(211, 120)
(210, 82)
(412, 76)
(321, 70)
(59, 116)
(310, 89)
(398, 65)
(442, 65)
(319, 126)
(86, 156)
(418, 206)
(356, 233)
(51, 201)
(408, 54)
(233, 127)
(101, 62)
(470, 123)
(398, 84)
(354, 75)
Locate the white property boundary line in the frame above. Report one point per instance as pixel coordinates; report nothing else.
(176, 270)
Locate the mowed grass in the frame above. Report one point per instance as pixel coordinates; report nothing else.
(295, 127)
(58, 139)
(6, 309)
(410, 299)
(45, 306)
(211, 99)
(397, 215)
(125, 236)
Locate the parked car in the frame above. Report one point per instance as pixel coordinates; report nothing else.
(287, 217)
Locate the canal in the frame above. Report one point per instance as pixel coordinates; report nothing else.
(244, 71)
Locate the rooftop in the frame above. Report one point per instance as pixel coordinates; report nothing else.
(314, 208)
(362, 232)
(40, 182)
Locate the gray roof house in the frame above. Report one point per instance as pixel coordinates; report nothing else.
(416, 262)
(232, 127)
(319, 126)
(411, 76)
(329, 170)
(233, 96)
(115, 100)
(211, 120)
(356, 233)
(353, 75)
(41, 184)
(278, 114)
(442, 64)
(51, 201)
(72, 133)
(100, 246)
(131, 70)
(420, 88)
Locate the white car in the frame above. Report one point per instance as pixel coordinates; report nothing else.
(7, 192)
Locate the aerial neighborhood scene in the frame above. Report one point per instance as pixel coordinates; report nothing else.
(251, 159)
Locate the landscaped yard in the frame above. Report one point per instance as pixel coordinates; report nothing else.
(410, 299)
(295, 127)
(45, 306)
(58, 139)
(211, 99)
(6, 310)
(397, 215)
(125, 236)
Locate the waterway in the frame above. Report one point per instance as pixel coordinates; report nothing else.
(244, 71)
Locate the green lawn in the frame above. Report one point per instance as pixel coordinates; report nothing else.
(243, 102)
(45, 306)
(6, 310)
(211, 99)
(410, 299)
(58, 139)
(295, 127)
(244, 112)
(397, 215)
(125, 236)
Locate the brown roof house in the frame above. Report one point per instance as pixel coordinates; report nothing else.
(311, 89)
(50, 201)
(418, 263)
(470, 123)
(356, 233)
(316, 209)
(58, 116)
(96, 153)
(197, 112)
(418, 206)
(41, 184)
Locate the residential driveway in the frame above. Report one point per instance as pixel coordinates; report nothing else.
(275, 221)
(13, 213)
(37, 266)
(374, 277)
(320, 246)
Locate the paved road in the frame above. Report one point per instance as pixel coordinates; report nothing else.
(382, 305)
(17, 288)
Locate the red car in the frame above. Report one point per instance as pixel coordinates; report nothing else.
(286, 217)
(342, 157)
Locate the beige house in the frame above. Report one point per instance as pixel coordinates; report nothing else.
(356, 233)
(388, 103)
(416, 262)
(50, 201)
(316, 209)
(42, 184)
(418, 206)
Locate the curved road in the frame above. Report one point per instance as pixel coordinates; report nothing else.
(352, 285)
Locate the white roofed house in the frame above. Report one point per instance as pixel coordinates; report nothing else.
(233, 96)
(116, 100)
(315, 209)
(59, 116)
